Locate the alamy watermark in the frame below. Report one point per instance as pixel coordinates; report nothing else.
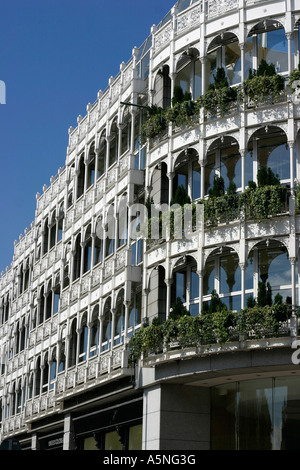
(151, 222)
(2, 92)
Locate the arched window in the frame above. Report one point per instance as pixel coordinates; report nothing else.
(60, 222)
(56, 294)
(223, 275)
(185, 285)
(52, 230)
(188, 73)
(80, 177)
(62, 358)
(91, 167)
(135, 310)
(102, 155)
(120, 319)
(95, 330)
(268, 148)
(38, 373)
(224, 52)
(87, 262)
(107, 325)
(113, 143)
(73, 344)
(110, 231)
(83, 342)
(45, 237)
(162, 88)
(48, 302)
(140, 148)
(123, 221)
(53, 370)
(66, 279)
(267, 40)
(224, 160)
(22, 336)
(77, 258)
(45, 373)
(187, 174)
(126, 131)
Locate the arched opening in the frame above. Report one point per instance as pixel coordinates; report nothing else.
(60, 222)
(224, 52)
(135, 309)
(98, 245)
(126, 131)
(80, 177)
(52, 231)
(267, 40)
(110, 231)
(87, 253)
(91, 167)
(77, 258)
(188, 174)
(49, 302)
(162, 88)
(83, 339)
(119, 319)
(185, 285)
(107, 326)
(223, 275)
(102, 155)
(38, 373)
(188, 73)
(53, 370)
(95, 331)
(73, 344)
(45, 373)
(268, 148)
(224, 160)
(268, 272)
(113, 143)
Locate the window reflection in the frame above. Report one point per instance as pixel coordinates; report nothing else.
(260, 414)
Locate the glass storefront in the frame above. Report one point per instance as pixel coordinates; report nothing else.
(261, 414)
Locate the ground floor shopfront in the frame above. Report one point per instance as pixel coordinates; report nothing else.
(188, 405)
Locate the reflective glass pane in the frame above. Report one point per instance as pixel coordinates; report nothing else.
(209, 278)
(273, 47)
(194, 285)
(196, 181)
(230, 274)
(232, 62)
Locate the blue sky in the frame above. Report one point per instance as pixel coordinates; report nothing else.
(54, 58)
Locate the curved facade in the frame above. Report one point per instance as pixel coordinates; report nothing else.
(192, 110)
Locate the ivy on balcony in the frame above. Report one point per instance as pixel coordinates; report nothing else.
(214, 326)
(261, 84)
(258, 202)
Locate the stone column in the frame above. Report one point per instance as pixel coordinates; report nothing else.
(69, 436)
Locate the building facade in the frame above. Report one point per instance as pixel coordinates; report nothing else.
(81, 286)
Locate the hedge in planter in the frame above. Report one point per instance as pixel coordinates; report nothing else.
(263, 82)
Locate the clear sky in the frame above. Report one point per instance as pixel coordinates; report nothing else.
(55, 55)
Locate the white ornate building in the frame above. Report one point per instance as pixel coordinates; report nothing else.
(72, 299)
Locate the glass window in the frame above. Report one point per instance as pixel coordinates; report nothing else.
(275, 154)
(231, 166)
(196, 181)
(230, 274)
(209, 277)
(272, 46)
(135, 437)
(231, 56)
(261, 414)
(112, 441)
(194, 285)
